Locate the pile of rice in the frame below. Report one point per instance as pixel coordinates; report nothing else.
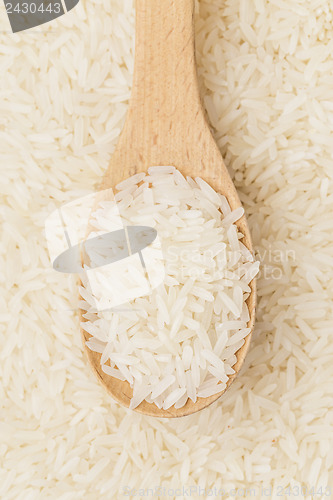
(180, 339)
(265, 70)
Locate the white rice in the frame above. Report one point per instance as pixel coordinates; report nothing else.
(61, 435)
(198, 276)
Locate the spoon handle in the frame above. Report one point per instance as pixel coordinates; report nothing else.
(165, 109)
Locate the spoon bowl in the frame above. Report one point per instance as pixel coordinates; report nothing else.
(166, 125)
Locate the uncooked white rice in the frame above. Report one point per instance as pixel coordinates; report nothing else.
(162, 313)
(61, 436)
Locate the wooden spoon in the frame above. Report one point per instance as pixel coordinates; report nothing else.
(166, 125)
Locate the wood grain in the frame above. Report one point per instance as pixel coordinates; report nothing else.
(166, 125)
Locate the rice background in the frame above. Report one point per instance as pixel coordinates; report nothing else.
(266, 73)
